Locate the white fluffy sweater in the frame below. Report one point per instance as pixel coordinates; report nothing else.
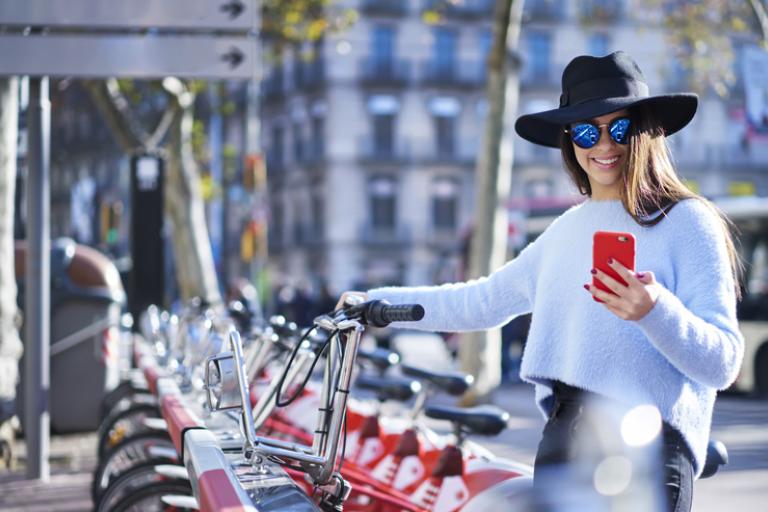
(676, 357)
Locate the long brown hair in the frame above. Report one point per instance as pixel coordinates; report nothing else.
(651, 185)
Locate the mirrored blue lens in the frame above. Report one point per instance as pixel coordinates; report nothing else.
(585, 135)
(619, 130)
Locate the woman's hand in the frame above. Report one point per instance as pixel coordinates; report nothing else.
(343, 298)
(632, 301)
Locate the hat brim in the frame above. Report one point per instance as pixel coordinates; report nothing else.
(674, 111)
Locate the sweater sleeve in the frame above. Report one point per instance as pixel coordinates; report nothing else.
(474, 305)
(695, 326)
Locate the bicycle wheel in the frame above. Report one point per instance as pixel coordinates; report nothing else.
(124, 390)
(126, 420)
(138, 477)
(126, 455)
(149, 499)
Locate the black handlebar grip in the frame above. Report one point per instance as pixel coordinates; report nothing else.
(381, 314)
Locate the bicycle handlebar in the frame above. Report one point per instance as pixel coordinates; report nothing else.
(380, 313)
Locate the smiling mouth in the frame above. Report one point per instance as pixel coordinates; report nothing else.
(606, 161)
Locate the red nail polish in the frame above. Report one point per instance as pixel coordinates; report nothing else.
(586, 287)
(610, 261)
(640, 275)
(593, 271)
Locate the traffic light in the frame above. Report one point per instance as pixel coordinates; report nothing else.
(253, 172)
(110, 216)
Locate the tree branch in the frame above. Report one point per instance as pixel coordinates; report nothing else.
(163, 126)
(114, 108)
(762, 17)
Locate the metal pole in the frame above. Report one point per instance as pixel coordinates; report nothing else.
(37, 283)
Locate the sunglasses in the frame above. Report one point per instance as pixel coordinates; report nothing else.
(586, 135)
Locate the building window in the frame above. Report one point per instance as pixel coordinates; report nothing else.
(598, 44)
(298, 143)
(276, 223)
(318, 216)
(383, 48)
(540, 55)
(317, 128)
(484, 44)
(278, 148)
(445, 51)
(445, 110)
(445, 193)
(383, 134)
(298, 67)
(381, 193)
(445, 135)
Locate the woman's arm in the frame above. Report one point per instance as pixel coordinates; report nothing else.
(695, 326)
(474, 305)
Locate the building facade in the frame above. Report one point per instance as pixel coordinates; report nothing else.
(372, 143)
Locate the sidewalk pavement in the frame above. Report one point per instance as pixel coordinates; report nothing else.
(73, 459)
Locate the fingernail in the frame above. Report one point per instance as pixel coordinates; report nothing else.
(586, 287)
(593, 271)
(640, 275)
(610, 261)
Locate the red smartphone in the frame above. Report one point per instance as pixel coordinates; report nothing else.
(608, 244)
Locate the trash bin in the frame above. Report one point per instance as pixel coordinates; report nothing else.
(87, 297)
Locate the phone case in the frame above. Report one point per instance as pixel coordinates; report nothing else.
(608, 244)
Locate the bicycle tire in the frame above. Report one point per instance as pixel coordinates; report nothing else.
(139, 476)
(126, 455)
(122, 423)
(123, 390)
(148, 498)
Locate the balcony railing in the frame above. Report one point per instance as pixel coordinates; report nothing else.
(390, 72)
(382, 151)
(311, 76)
(393, 8)
(313, 155)
(444, 238)
(720, 157)
(539, 79)
(385, 236)
(275, 166)
(463, 74)
(462, 154)
(461, 9)
(601, 10)
(273, 88)
(543, 11)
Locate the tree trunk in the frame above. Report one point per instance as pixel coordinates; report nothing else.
(195, 269)
(10, 343)
(479, 352)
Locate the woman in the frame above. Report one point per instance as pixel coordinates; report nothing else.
(669, 337)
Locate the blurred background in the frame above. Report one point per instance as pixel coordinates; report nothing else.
(351, 156)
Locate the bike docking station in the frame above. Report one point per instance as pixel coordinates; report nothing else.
(223, 415)
(198, 427)
(140, 39)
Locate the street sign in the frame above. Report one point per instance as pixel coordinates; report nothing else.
(219, 15)
(135, 56)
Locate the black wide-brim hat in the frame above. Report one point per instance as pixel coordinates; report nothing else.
(595, 86)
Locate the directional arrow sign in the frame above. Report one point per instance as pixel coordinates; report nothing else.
(219, 15)
(135, 56)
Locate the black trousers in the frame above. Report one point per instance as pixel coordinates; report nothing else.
(556, 449)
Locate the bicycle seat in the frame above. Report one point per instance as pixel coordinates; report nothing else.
(717, 455)
(381, 358)
(389, 388)
(486, 420)
(453, 383)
